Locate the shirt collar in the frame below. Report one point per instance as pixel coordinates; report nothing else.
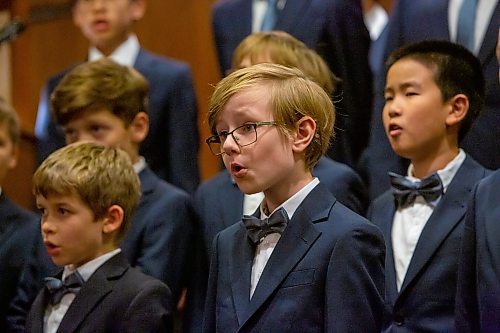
(447, 173)
(86, 270)
(293, 202)
(125, 54)
(140, 165)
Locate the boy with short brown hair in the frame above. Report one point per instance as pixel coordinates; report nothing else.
(87, 193)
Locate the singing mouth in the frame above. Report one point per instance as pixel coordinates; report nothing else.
(394, 129)
(237, 169)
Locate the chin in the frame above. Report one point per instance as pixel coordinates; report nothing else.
(247, 188)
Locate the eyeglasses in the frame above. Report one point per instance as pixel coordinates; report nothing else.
(243, 135)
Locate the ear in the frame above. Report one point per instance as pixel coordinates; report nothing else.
(12, 162)
(137, 9)
(139, 127)
(305, 128)
(458, 108)
(113, 219)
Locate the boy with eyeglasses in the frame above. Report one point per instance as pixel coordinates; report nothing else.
(303, 262)
(218, 201)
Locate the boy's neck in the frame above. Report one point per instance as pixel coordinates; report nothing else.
(427, 165)
(279, 194)
(109, 48)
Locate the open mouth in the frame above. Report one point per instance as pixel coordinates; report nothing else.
(394, 129)
(51, 247)
(237, 169)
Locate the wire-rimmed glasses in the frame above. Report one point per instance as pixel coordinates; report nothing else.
(243, 135)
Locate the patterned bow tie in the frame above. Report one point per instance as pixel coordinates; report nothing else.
(258, 229)
(57, 288)
(405, 191)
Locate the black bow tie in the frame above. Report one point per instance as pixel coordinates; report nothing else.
(405, 191)
(57, 288)
(258, 229)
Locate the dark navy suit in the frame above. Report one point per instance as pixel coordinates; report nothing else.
(335, 29)
(159, 242)
(19, 230)
(325, 275)
(414, 21)
(171, 147)
(116, 298)
(426, 300)
(219, 202)
(478, 292)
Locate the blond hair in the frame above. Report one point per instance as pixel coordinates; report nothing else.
(100, 84)
(10, 119)
(281, 48)
(101, 176)
(293, 96)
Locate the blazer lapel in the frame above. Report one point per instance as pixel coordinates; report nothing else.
(92, 292)
(487, 49)
(240, 270)
(148, 182)
(37, 311)
(387, 215)
(447, 214)
(296, 240)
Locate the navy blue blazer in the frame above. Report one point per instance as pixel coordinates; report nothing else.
(478, 292)
(219, 202)
(325, 275)
(334, 28)
(171, 147)
(159, 242)
(19, 229)
(405, 26)
(159, 238)
(116, 298)
(426, 300)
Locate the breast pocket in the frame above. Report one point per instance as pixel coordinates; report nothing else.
(299, 278)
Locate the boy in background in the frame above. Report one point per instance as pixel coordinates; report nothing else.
(19, 228)
(86, 194)
(434, 91)
(105, 102)
(171, 146)
(303, 262)
(478, 291)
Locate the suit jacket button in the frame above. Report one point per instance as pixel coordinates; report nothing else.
(399, 320)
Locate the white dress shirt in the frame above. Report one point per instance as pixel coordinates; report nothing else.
(125, 54)
(484, 12)
(410, 221)
(259, 8)
(55, 314)
(266, 246)
(375, 20)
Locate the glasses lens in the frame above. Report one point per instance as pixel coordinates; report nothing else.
(246, 134)
(214, 145)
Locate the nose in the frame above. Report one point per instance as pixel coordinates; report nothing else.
(46, 226)
(230, 145)
(393, 108)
